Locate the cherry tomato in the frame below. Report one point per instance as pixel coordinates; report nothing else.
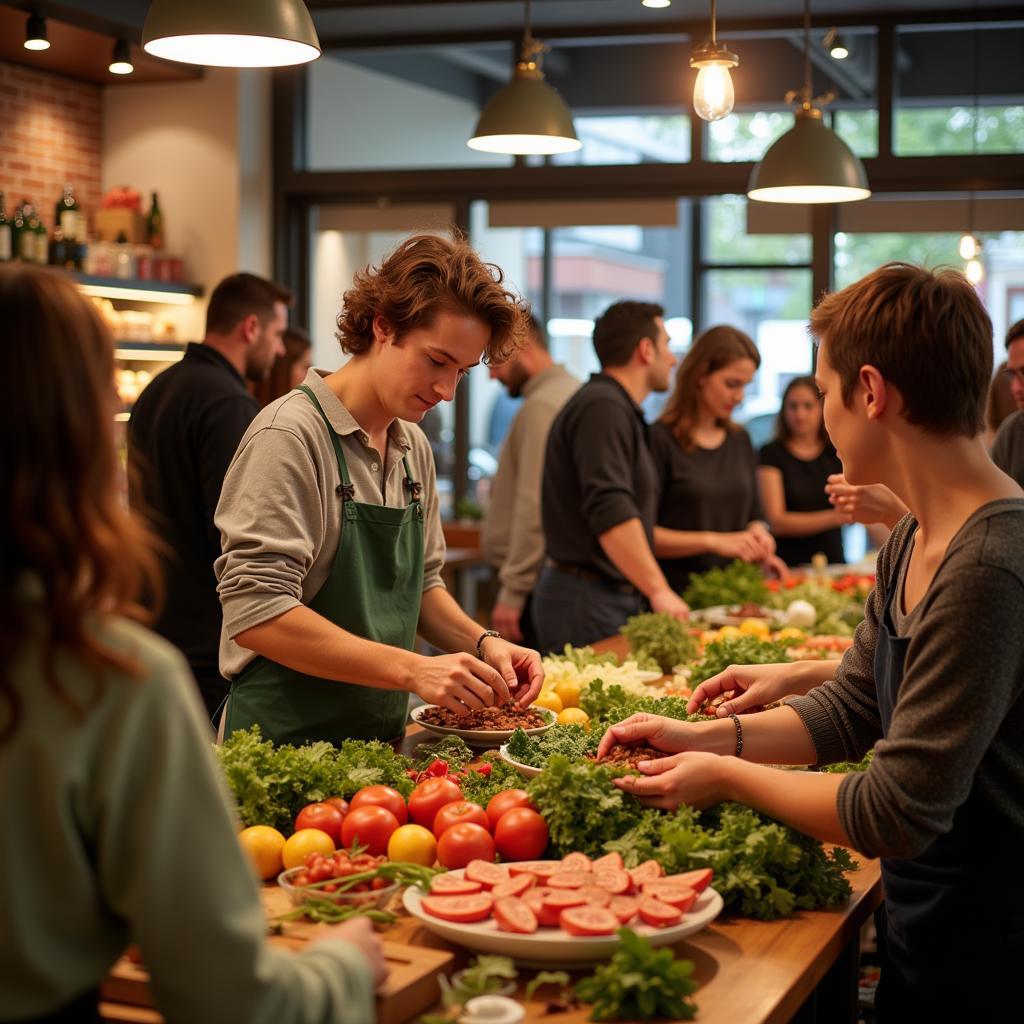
(437, 769)
(382, 796)
(505, 801)
(457, 812)
(521, 834)
(323, 816)
(429, 797)
(513, 915)
(371, 826)
(462, 843)
(484, 768)
(462, 909)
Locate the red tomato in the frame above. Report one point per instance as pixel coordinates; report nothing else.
(486, 872)
(505, 801)
(698, 880)
(371, 826)
(462, 843)
(658, 914)
(382, 796)
(337, 801)
(429, 797)
(542, 869)
(596, 896)
(534, 899)
(588, 921)
(646, 872)
(616, 882)
(609, 860)
(554, 901)
(322, 816)
(459, 812)
(448, 885)
(679, 896)
(521, 834)
(624, 908)
(461, 909)
(577, 862)
(570, 879)
(513, 915)
(513, 887)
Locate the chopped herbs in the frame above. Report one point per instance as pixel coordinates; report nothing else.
(573, 741)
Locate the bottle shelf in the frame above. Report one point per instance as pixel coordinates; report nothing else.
(136, 290)
(149, 351)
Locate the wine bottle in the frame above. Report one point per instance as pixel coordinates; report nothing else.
(6, 232)
(26, 237)
(155, 225)
(66, 214)
(41, 246)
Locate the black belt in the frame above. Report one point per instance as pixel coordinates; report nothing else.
(593, 576)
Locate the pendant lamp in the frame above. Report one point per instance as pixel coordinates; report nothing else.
(713, 94)
(527, 116)
(810, 163)
(35, 33)
(231, 33)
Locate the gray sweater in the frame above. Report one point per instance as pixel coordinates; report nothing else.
(958, 723)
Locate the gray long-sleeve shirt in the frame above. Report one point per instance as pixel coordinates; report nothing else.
(958, 723)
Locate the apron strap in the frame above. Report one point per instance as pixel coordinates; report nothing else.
(347, 491)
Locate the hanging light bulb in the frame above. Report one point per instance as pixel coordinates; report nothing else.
(974, 271)
(35, 33)
(121, 59)
(713, 93)
(833, 42)
(969, 246)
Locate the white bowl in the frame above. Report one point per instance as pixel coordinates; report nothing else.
(526, 770)
(488, 738)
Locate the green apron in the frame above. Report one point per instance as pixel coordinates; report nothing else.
(374, 590)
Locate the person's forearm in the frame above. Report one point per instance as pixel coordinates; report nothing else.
(445, 625)
(807, 801)
(627, 547)
(802, 524)
(769, 737)
(681, 543)
(303, 640)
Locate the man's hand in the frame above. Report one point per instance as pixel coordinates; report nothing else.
(520, 668)
(505, 620)
(461, 682)
(669, 601)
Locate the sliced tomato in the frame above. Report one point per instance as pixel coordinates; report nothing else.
(514, 886)
(658, 914)
(555, 902)
(624, 908)
(680, 896)
(534, 899)
(487, 874)
(542, 869)
(577, 862)
(609, 860)
(570, 879)
(616, 882)
(596, 896)
(450, 885)
(646, 872)
(460, 909)
(588, 921)
(699, 879)
(513, 915)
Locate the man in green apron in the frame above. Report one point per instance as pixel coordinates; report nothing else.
(330, 522)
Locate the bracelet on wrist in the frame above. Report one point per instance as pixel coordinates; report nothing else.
(483, 636)
(739, 735)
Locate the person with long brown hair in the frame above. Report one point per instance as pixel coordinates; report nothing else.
(709, 511)
(114, 824)
(330, 518)
(793, 470)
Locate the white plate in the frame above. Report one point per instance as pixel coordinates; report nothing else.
(526, 770)
(551, 947)
(480, 737)
(724, 615)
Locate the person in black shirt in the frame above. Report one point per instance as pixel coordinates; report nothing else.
(599, 491)
(709, 511)
(792, 473)
(182, 435)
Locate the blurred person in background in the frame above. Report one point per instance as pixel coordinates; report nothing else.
(107, 778)
(513, 538)
(792, 472)
(709, 511)
(182, 436)
(1008, 447)
(1000, 403)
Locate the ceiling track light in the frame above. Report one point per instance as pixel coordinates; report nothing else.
(527, 117)
(713, 94)
(121, 59)
(35, 33)
(833, 42)
(231, 33)
(810, 163)
(656, 3)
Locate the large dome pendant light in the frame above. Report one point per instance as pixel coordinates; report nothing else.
(231, 33)
(527, 116)
(810, 163)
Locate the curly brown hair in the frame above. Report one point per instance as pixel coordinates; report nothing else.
(426, 275)
(67, 532)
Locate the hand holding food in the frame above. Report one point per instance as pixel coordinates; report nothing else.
(867, 503)
(692, 777)
(665, 734)
(741, 544)
(671, 603)
(745, 688)
(520, 668)
(359, 932)
(460, 681)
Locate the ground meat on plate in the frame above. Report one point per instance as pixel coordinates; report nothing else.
(505, 718)
(620, 754)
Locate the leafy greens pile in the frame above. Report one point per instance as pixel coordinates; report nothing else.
(572, 741)
(659, 638)
(606, 705)
(763, 869)
(738, 583)
(737, 650)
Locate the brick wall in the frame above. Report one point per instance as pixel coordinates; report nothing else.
(51, 135)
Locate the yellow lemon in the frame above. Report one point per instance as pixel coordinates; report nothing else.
(304, 842)
(568, 692)
(791, 633)
(754, 627)
(728, 631)
(413, 844)
(574, 716)
(264, 846)
(550, 700)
